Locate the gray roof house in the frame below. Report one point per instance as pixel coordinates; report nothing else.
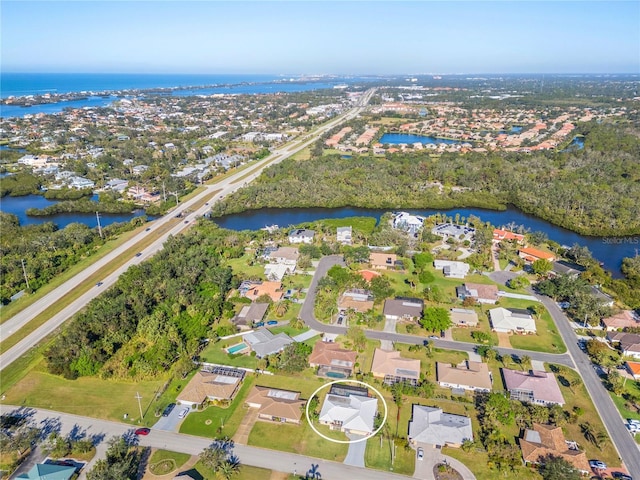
(264, 343)
(250, 314)
(301, 235)
(403, 308)
(434, 427)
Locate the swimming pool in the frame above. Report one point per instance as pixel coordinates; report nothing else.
(335, 375)
(236, 348)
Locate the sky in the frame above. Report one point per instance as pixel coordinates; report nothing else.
(314, 37)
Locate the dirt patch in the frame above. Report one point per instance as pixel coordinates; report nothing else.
(278, 476)
(445, 472)
(503, 340)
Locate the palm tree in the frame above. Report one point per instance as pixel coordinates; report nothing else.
(229, 468)
(525, 360)
(588, 432)
(314, 472)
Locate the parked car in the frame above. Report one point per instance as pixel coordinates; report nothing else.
(183, 413)
(272, 322)
(260, 324)
(621, 476)
(434, 337)
(168, 409)
(597, 464)
(142, 431)
(420, 453)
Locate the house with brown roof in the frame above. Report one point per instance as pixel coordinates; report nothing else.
(634, 369)
(285, 256)
(276, 405)
(623, 319)
(356, 299)
(534, 386)
(383, 261)
(629, 342)
(543, 440)
(462, 317)
(332, 360)
(402, 308)
(218, 383)
(273, 289)
(480, 292)
(389, 366)
(468, 375)
(500, 235)
(530, 254)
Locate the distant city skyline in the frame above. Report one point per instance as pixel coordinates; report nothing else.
(321, 37)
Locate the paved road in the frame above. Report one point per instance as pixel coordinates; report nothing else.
(307, 315)
(189, 444)
(623, 441)
(226, 187)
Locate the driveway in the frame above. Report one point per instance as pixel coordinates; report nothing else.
(171, 423)
(355, 455)
(246, 425)
(433, 456)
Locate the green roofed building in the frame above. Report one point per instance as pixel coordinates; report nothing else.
(48, 471)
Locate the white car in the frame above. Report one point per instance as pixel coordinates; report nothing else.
(597, 464)
(183, 413)
(420, 453)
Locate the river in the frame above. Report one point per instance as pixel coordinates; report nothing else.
(19, 205)
(609, 250)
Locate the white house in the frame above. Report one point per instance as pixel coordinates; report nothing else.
(432, 426)
(301, 235)
(452, 269)
(512, 320)
(349, 414)
(407, 222)
(344, 235)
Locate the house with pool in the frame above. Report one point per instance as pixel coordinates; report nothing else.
(349, 409)
(212, 384)
(263, 342)
(332, 360)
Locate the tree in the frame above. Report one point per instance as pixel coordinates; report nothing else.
(497, 407)
(294, 357)
(381, 288)
(219, 458)
(525, 362)
(436, 319)
(357, 337)
(122, 462)
(557, 468)
(541, 266)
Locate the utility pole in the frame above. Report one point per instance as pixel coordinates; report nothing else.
(164, 193)
(99, 226)
(24, 271)
(139, 404)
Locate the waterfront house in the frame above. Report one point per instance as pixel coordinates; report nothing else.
(534, 386)
(276, 405)
(431, 426)
(530, 254)
(391, 368)
(542, 441)
(468, 375)
(301, 235)
(500, 235)
(343, 235)
(511, 320)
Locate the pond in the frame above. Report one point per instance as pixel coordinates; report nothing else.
(398, 138)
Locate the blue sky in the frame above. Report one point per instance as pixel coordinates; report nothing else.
(321, 37)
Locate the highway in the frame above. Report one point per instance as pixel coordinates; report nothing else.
(613, 422)
(192, 445)
(225, 187)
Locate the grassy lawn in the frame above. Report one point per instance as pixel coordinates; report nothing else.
(216, 421)
(107, 399)
(215, 353)
(299, 439)
(163, 462)
(580, 398)
(478, 463)
(246, 266)
(463, 334)
(292, 332)
(379, 457)
(246, 473)
(364, 225)
(547, 338)
(364, 358)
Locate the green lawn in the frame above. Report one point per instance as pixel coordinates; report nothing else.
(364, 225)
(379, 457)
(292, 332)
(547, 338)
(478, 463)
(299, 439)
(246, 473)
(163, 462)
(88, 396)
(216, 421)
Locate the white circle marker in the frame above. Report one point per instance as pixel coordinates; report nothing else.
(347, 441)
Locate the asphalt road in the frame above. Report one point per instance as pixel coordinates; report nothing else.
(613, 422)
(103, 430)
(227, 186)
(306, 313)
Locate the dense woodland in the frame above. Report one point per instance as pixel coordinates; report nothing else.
(595, 191)
(157, 313)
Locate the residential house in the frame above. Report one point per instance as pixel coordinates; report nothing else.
(500, 235)
(431, 426)
(530, 254)
(273, 289)
(389, 366)
(401, 308)
(216, 383)
(511, 320)
(562, 267)
(285, 256)
(548, 440)
(534, 386)
(452, 269)
(468, 375)
(276, 405)
(343, 235)
(459, 232)
(407, 222)
(80, 183)
(461, 317)
(356, 299)
(481, 293)
(623, 319)
(301, 235)
(383, 261)
(264, 343)
(277, 271)
(332, 360)
(602, 297)
(629, 343)
(368, 275)
(350, 410)
(249, 315)
(49, 471)
(634, 369)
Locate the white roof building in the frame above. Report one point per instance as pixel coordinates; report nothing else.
(510, 320)
(350, 414)
(452, 269)
(264, 343)
(343, 235)
(406, 221)
(430, 425)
